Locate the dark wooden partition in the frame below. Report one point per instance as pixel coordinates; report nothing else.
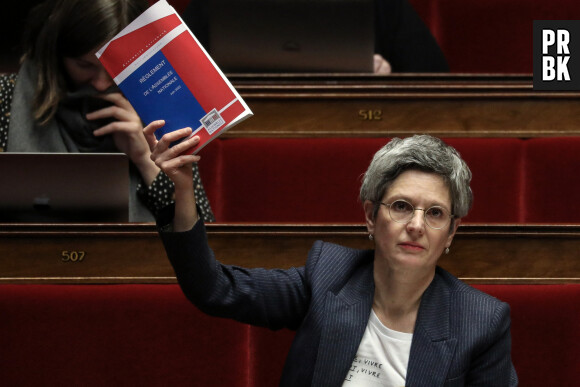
(445, 105)
(133, 253)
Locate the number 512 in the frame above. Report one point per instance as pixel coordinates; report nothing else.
(370, 115)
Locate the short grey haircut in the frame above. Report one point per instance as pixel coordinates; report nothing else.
(424, 153)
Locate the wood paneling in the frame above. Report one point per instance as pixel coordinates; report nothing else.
(448, 105)
(133, 253)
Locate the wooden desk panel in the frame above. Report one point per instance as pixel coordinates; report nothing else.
(133, 253)
(367, 105)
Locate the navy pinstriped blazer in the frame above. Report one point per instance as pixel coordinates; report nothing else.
(462, 336)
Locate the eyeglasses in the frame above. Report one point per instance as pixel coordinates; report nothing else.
(402, 211)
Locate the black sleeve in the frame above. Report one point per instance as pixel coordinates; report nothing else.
(404, 40)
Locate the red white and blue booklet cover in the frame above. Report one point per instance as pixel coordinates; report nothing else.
(166, 74)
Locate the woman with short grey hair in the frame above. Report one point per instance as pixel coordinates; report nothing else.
(387, 316)
(424, 153)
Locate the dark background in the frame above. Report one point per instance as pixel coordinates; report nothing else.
(12, 19)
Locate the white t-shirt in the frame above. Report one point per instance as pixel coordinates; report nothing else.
(382, 357)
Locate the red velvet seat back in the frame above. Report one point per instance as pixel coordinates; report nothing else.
(493, 36)
(149, 335)
(545, 332)
(295, 180)
(495, 164)
(552, 182)
(317, 180)
(211, 173)
(179, 5)
(267, 355)
(115, 335)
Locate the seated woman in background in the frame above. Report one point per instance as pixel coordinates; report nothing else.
(63, 100)
(390, 311)
(403, 43)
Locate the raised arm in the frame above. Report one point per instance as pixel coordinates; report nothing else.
(178, 167)
(272, 298)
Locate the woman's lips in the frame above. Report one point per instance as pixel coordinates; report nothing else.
(411, 246)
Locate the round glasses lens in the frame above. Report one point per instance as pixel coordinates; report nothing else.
(437, 217)
(401, 211)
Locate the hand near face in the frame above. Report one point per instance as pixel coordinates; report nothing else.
(126, 127)
(127, 131)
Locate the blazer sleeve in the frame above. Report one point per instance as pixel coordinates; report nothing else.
(493, 366)
(270, 298)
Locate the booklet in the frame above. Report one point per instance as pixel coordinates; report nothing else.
(166, 74)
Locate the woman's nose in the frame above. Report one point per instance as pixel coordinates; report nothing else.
(417, 221)
(102, 81)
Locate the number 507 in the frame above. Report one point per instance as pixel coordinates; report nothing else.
(72, 256)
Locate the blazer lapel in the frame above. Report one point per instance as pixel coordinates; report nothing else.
(431, 350)
(346, 316)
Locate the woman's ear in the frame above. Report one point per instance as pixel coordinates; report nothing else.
(452, 232)
(369, 209)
